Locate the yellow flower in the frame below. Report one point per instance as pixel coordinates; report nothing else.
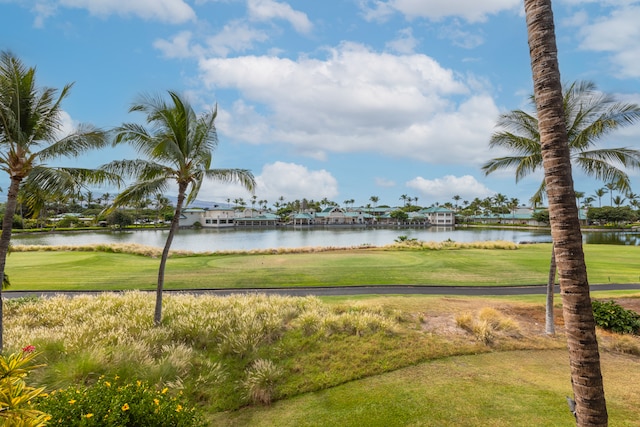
(116, 377)
(72, 401)
(138, 383)
(179, 408)
(125, 407)
(107, 383)
(165, 390)
(89, 415)
(156, 401)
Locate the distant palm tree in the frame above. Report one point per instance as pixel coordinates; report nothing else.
(179, 146)
(89, 198)
(456, 198)
(162, 203)
(611, 186)
(374, 200)
(618, 201)
(500, 200)
(586, 202)
(599, 193)
(30, 119)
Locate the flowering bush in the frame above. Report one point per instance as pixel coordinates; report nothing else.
(15, 394)
(112, 403)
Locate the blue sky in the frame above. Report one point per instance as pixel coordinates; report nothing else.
(343, 99)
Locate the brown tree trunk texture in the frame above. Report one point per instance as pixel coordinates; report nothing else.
(175, 222)
(5, 240)
(550, 327)
(584, 358)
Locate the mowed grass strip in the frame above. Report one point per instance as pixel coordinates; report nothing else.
(520, 388)
(71, 270)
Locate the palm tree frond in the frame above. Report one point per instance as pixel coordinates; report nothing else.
(85, 138)
(138, 191)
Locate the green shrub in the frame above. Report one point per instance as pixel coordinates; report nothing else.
(112, 403)
(611, 316)
(15, 394)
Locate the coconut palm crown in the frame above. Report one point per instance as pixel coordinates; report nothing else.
(30, 127)
(589, 116)
(175, 149)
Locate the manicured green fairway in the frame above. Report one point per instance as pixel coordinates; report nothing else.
(468, 267)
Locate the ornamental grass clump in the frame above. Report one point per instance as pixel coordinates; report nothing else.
(452, 245)
(487, 325)
(113, 402)
(260, 381)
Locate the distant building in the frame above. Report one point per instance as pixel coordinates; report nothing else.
(208, 218)
(438, 215)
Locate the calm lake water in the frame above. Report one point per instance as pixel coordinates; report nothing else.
(207, 240)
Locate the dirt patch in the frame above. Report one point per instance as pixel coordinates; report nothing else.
(628, 303)
(442, 325)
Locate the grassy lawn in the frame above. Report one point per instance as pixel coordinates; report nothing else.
(73, 270)
(520, 388)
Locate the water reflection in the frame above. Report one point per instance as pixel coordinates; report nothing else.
(613, 238)
(209, 240)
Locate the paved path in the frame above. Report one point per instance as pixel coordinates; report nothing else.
(357, 290)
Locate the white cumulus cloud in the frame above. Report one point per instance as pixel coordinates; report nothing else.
(617, 33)
(358, 100)
(289, 180)
(469, 10)
(266, 10)
(448, 186)
(171, 11)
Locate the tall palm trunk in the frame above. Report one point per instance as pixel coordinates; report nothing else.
(584, 359)
(5, 240)
(175, 222)
(550, 327)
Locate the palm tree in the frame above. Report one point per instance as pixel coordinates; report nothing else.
(500, 200)
(631, 196)
(579, 196)
(618, 201)
(589, 116)
(162, 203)
(179, 146)
(555, 142)
(374, 200)
(599, 193)
(404, 198)
(89, 198)
(586, 202)
(30, 118)
(105, 198)
(456, 198)
(513, 205)
(611, 186)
